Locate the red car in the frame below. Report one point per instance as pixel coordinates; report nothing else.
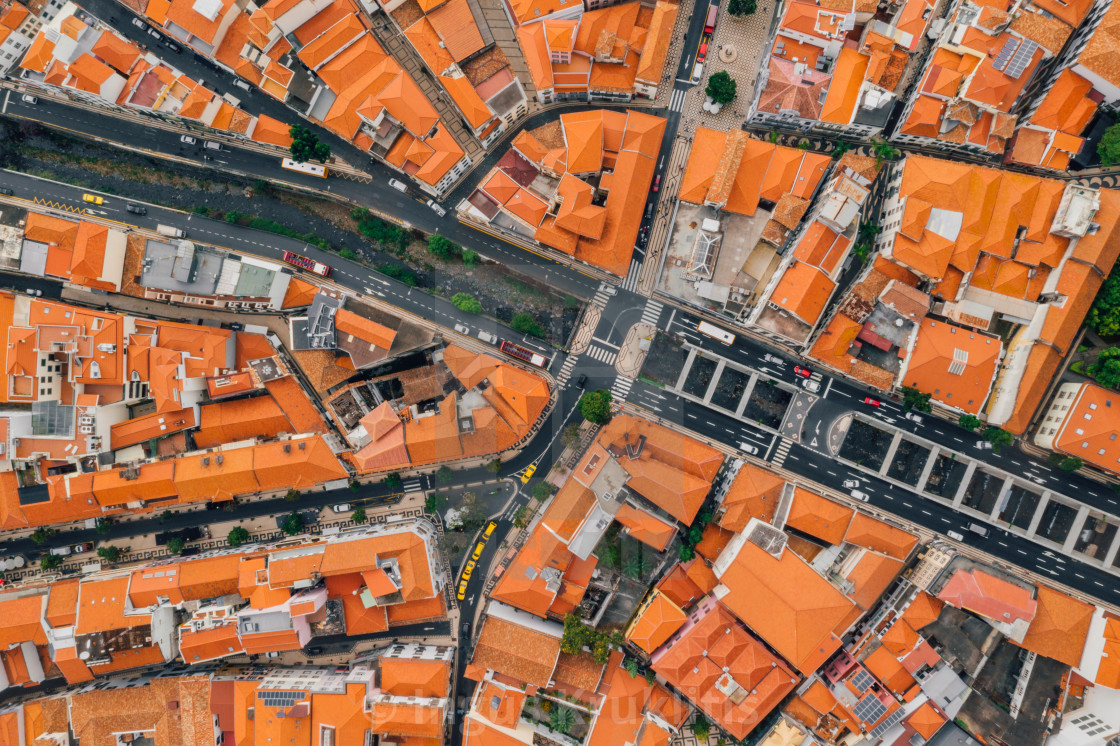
(656, 183)
(870, 401)
(702, 54)
(79, 548)
(803, 372)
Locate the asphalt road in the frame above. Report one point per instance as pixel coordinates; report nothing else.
(409, 208)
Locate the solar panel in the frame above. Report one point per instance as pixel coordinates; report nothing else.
(889, 722)
(861, 681)
(870, 709)
(280, 698)
(1021, 59)
(1005, 53)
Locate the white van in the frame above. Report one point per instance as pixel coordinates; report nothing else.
(399, 186)
(976, 528)
(61, 551)
(697, 72)
(861, 496)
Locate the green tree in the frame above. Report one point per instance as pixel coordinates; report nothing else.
(631, 666)
(434, 502)
(543, 490)
(359, 515)
(650, 676)
(773, 136)
(1106, 369)
(109, 553)
(721, 88)
(393, 481)
(238, 535)
(306, 146)
(293, 524)
(103, 526)
(561, 719)
(443, 248)
(234, 217)
(49, 562)
(175, 545)
(701, 727)
(883, 150)
(687, 553)
(914, 399)
(635, 565)
(165, 516)
(42, 535)
(840, 149)
(466, 303)
(524, 322)
(862, 251)
(470, 258)
(595, 406)
(577, 635)
(346, 253)
(1071, 463)
(494, 466)
(1104, 316)
(998, 438)
(969, 422)
(742, 7)
(521, 517)
(600, 649)
(1109, 146)
(472, 512)
(444, 475)
(292, 494)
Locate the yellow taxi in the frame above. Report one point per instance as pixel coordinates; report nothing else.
(528, 474)
(462, 590)
(93, 198)
(489, 530)
(478, 550)
(468, 569)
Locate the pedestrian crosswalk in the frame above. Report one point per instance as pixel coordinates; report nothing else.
(413, 485)
(676, 102)
(566, 369)
(602, 295)
(631, 281)
(621, 388)
(652, 312)
(782, 452)
(603, 356)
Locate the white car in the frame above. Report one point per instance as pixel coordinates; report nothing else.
(955, 535)
(748, 448)
(810, 384)
(487, 337)
(188, 140)
(772, 359)
(29, 99)
(399, 186)
(436, 208)
(138, 23)
(851, 484)
(861, 496)
(462, 329)
(983, 445)
(916, 419)
(341, 508)
(34, 292)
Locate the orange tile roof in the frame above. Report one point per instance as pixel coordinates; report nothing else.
(299, 410)
(888, 670)
(62, 603)
(209, 644)
(818, 516)
(519, 652)
(112, 49)
(803, 290)
(989, 596)
(1088, 433)
(406, 677)
(843, 92)
(655, 623)
(467, 99)
(274, 132)
(455, 24)
(753, 493)
(880, 536)
(725, 671)
(101, 607)
(926, 720)
(240, 419)
(1108, 673)
(150, 427)
(21, 621)
(1060, 627)
(804, 627)
(954, 365)
(646, 527)
(679, 588)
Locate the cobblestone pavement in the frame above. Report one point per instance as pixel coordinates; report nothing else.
(676, 48)
(748, 35)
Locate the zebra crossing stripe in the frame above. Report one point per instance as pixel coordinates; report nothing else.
(603, 356)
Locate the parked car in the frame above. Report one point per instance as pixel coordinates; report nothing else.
(487, 337)
(138, 23)
(978, 529)
(34, 292)
(154, 34)
(272, 654)
(955, 535)
(172, 46)
(861, 496)
(466, 629)
(871, 402)
(29, 99)
(803, 372)
(462, 592)
(341, 508)
(136, 209)
(489, 529)
(748, 448)
(188, 140)
(810, 385)
(851, 484)
(81, 548)
(211, 145)
(436, 208)
(315, 650)
(916, 419)
(61, 551)
(95, 199)
(462, 329)
(657, 182)
(478, 550)
(468, 569)
(702, 54)
(398, 185)
(234, 326)
(7, 192)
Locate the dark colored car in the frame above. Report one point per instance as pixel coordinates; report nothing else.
(136, 209)
(6, 191)
(466, 629)
(582, 380)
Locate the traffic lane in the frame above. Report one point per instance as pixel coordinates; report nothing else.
(711, 423)
(26, 283)
(692, 39)
(1019, 552)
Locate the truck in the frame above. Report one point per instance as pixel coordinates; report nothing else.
(171, 231)
(710, 21)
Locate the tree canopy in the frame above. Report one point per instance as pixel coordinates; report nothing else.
(1104, 316)
(721, 88)
(1109, 147)
(238, 535)
(306, 146)
(466, 303)
(742, 7)
(1106, 369)
(595, 406)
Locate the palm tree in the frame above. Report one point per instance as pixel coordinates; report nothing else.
(560, 719)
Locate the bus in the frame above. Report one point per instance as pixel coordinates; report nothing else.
(309, 264)
(715, 332)
(522, 353)
(310, 169)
